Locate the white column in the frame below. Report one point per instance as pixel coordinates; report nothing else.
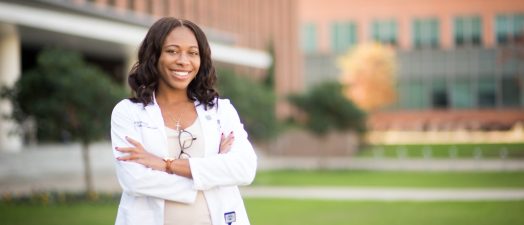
(10, 69)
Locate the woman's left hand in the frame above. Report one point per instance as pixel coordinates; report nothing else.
(139, 155)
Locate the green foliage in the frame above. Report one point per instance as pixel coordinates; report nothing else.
(65, 95)
(327, 109)
(269, 80)
(254, 102)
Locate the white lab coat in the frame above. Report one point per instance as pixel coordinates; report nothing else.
(217, 175)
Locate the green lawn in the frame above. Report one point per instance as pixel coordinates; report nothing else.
(514, 151)
(297, 212)
(391, 179)
(61, 214)
(316, 212)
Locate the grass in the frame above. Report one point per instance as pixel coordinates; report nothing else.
(297, 212)
(317, 212)
(510, 151)
(391, 179)
(70, 214)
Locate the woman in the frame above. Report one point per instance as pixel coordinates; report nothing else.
(181, 151)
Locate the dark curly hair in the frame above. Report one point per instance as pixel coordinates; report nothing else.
(144, 76)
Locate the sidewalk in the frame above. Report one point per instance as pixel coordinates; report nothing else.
(384, 194)
(59, 168)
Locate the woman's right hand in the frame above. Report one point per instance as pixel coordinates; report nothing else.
(226, 143)
(138, 154)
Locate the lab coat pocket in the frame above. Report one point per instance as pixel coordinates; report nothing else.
(233, 204)
(134, 210)
(134, 217)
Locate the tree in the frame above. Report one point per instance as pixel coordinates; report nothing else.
(327, 109)
(269, 80)
(254, 101)
(64, 94)
(368, 75)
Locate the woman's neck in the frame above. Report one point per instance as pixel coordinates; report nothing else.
(172, 97)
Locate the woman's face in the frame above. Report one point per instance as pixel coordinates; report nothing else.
(180, 59)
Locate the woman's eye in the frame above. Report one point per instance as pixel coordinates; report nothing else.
(171, 51)
(194, 53)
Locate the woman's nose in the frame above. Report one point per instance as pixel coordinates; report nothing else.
(182, 59)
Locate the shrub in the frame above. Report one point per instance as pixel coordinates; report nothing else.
(327, 109)
(254, 102)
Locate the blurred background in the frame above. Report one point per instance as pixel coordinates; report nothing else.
(411, 110)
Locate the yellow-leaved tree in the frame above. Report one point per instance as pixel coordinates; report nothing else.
(368, 75)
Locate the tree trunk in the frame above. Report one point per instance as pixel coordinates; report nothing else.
(90, 190)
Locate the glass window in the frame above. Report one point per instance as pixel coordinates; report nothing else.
(510, 91)
(468, 31)
(461, 94)
(426, 33)
(439, 94)
(486, 92)
(343, 36)
(418, 93)
(384, 31)
(309, 38)
(509, 27)
(403, 93)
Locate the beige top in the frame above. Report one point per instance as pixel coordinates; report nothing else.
(176, 213)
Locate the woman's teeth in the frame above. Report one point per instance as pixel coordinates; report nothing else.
(179, 73)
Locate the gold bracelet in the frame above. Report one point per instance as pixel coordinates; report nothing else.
(168, 162)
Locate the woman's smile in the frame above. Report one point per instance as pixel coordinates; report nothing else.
(181, 74)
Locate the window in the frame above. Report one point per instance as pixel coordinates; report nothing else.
(384, 32)
(343, 36)
(461, 93)
(468, 31)
(417, 93)
(426, 33)
(511, 91)
(509, 27)
(309, 38)
(439, 94)
(486, 92)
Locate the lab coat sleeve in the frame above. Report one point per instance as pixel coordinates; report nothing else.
(135, 178)
(237, 167)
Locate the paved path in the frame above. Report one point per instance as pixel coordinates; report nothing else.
(59, 168)
(387, 194)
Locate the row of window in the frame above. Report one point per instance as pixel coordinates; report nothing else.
(469, 92)
(467, 31)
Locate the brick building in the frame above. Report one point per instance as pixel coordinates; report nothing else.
(108, 33)
(461, 63)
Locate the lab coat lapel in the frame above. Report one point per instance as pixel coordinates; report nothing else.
(210, 128)
(155, 116)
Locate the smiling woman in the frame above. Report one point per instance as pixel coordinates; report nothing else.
(184, 165)
(179, 61)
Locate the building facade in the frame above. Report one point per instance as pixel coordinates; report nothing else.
(256, 24)
(455, 58)
(108, 33)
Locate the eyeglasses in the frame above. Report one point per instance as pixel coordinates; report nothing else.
(185, 140)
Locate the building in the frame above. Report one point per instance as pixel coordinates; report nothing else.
(108, 33)
(461, 63)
